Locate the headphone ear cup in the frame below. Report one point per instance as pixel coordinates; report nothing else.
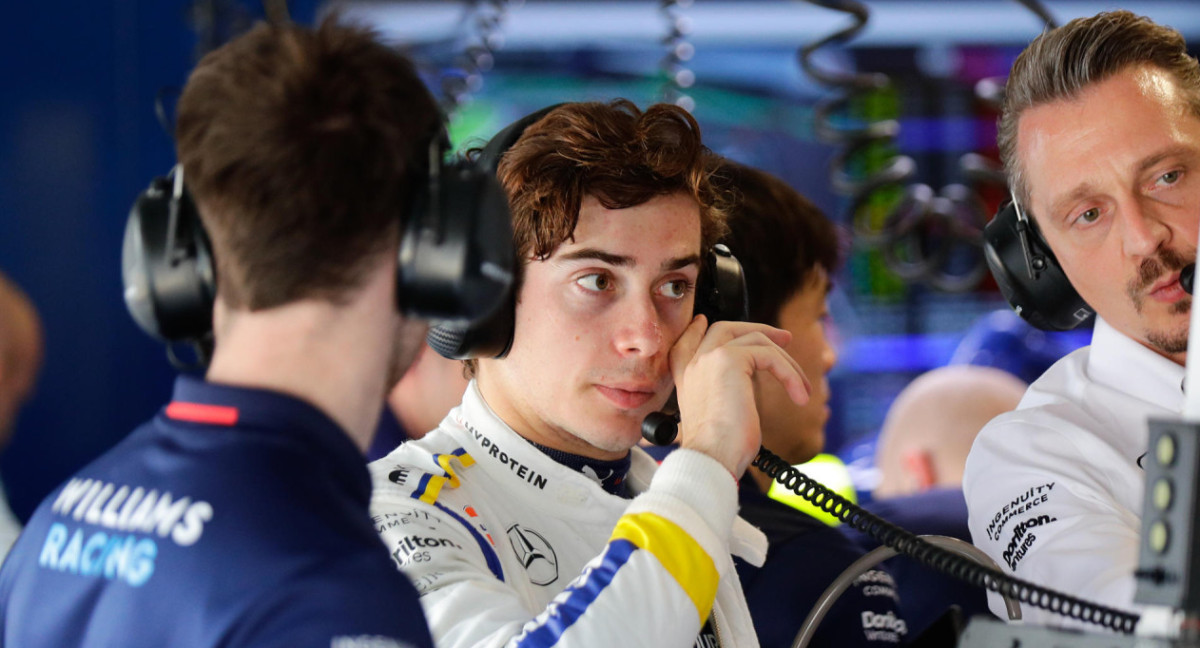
(492, 335)
(456, 265)
(168, 273)
(721, 289)
(486, 329)
(1047, 300)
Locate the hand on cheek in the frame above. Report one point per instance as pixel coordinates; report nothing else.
(714, 369)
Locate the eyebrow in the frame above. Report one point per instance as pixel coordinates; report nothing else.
(622, 261)
(1086, 189)
(1078, 193)
(1178, 150)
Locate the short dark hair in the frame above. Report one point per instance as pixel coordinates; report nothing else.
(613, 151)
(780, 237)
(302, 148)
(1062, 62)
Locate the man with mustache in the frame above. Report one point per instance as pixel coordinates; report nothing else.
(529, 517)
(1100, 137)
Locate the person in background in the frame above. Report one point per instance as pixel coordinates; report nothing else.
(920, 455)
(22, 348)
(930, 426)
(1100, 139)
(789, 250)
(238, 515)
(529, 515)
(431, 387)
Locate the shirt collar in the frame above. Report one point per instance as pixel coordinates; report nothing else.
(1124, 364)
(198, 402)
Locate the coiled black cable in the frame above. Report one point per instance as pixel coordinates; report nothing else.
(483, 35)
(677, 78)
(910, 545)
(919, 235)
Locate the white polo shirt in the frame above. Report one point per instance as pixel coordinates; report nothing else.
(1054, 488)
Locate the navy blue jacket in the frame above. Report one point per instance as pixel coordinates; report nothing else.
(804, 556)
(236, 517)
(928, 593)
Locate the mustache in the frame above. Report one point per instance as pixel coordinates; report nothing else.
(1152, 268)
(636, 372)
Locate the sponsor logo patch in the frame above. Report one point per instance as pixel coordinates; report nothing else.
(535, 554)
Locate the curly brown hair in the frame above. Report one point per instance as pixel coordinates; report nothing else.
(302, 148)
(613, 151)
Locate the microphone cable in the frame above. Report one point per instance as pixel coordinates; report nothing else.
(909, 544)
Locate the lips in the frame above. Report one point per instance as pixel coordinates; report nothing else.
(627, 396)
(1167, 289)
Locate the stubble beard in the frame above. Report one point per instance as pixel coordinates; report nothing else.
(1176, 342)
(1150, 270)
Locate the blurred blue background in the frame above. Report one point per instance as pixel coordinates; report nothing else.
(79, 139)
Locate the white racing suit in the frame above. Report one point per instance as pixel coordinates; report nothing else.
(510, 548)
(1054, 488)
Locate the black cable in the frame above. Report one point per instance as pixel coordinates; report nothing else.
(676, 77)
(1041, 12)
(909, 544)
(482, 30)
(919, 232)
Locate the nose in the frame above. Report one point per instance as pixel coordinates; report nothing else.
(639, 327)
(1144, 231)
(829, 357)
(829, 354)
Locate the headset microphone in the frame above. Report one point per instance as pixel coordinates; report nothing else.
(1028, 274)
(720, 295)
(1187, 276)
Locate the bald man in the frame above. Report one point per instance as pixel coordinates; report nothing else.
(930, 426)
(20, 361)
(922, 448)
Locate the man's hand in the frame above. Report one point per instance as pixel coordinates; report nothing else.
(713, 367)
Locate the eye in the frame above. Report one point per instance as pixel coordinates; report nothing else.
(1169, 178)
(595, 282)
(675, 289)
(1090, 216)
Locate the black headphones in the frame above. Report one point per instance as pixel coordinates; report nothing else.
(489, 337)
(1027, 273)
(455, 258)
(720, 290)
(167, 264)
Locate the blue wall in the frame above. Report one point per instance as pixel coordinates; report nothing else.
(78, 141)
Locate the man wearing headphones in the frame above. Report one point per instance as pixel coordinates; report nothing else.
(789, 250)
(238, 516)
(529, 514)
(1100, 137)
